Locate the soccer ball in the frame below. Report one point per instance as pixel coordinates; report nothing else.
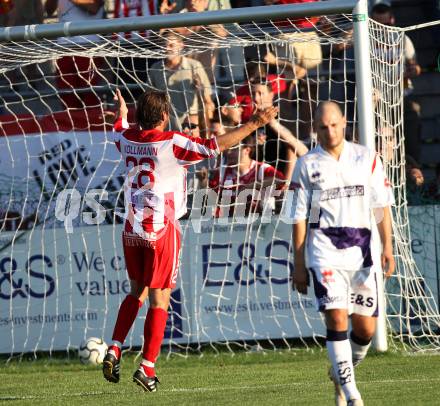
(92, 351)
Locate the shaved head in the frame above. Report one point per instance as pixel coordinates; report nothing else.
(329, 124)
(325, 107)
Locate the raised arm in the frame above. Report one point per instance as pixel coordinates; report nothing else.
(298, 147)
(167, 7)
(259, 119)
(122, 111)
(203, 112)
(298, 72)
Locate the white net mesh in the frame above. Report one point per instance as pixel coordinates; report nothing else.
(412, 311)
(57, 288)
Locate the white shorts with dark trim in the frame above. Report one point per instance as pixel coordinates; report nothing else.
(355, 291)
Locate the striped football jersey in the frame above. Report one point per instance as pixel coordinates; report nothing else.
(155, 162)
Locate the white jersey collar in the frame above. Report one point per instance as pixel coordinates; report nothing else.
(344, 152)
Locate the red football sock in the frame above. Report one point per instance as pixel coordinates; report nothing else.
(116, 350)
(148, 368)
(126, 316)
(154, 330)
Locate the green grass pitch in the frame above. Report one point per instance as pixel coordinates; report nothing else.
(282, 378)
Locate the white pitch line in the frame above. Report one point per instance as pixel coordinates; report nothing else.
(216, 389)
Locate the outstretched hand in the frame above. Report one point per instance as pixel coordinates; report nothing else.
(263, 117)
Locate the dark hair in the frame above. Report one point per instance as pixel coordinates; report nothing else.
(189, 125)
(411, 163)
(218, 117)
(150, 108)
(170, 34)
(262, 82)
(249, 142)
(256, 71)
(215, 116)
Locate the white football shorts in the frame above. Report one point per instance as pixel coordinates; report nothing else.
(355, 291)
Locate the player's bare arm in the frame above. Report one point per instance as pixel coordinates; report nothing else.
(122, 110)
(299, 280)
(385, 231)
(294, 143)
(293, 71)
(206, 113)
(259, 119)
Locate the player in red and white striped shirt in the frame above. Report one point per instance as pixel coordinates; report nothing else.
(155, 198)
(242, 173)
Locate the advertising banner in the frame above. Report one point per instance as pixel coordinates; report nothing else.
(52, 157)
(425, 244)
(57, 289)
(241, 285)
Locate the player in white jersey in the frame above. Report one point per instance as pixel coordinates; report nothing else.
(337, 186)
(155, 198)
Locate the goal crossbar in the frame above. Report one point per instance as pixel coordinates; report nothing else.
(237, 15)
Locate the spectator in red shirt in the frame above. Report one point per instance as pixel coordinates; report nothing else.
(242, 172)
(257, 72)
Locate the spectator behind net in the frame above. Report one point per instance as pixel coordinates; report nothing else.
(76, 72)
(181, 76)
(382, 13)
(133, 70)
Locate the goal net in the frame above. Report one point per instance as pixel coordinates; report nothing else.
(62, 271)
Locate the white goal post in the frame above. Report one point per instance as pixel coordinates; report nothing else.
(62, 274)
